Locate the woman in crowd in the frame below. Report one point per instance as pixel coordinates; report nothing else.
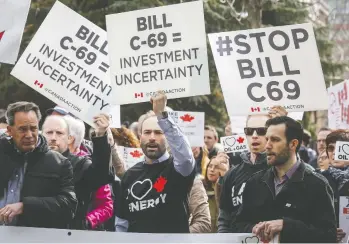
(202, 160)
(216, 169)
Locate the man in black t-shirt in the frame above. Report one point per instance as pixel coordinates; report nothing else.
(154, 192)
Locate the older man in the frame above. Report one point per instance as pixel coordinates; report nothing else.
(36, 184)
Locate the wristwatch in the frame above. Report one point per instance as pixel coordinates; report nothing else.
(164, 115)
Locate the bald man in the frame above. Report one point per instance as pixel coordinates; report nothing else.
(89, 175)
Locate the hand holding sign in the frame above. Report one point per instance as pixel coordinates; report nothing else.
(277, 111)
(101, 123)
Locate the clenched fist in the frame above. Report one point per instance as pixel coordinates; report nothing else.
(101, 122)
(159, 101)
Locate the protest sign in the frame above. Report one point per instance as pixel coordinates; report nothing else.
(161, 48)
(192, 124)
(13, 15)
(260, 68)
(342, 151)
(344, 216)
(131, 156)
(235, 143)
(338, 111)
(67, 62)
(25, 235)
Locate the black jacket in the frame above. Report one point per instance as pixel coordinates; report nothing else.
(305, 203)
(89, 176)
(235, 179)
(48, 189)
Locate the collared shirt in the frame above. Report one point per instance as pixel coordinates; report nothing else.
(183, 159)
(280, 183)
(14, 187)
(163, 158)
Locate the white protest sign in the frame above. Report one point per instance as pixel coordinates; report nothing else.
(131, 156)
(342, 151)
(296, 115)
(235, 143)
(344, 216)
(192, 124)
(161, 48)
(67, 62)
(338, 111)
(13, 15)
(237, 124)
(260, 68)
(44, 235)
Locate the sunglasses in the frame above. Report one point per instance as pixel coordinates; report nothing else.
(261, 131)
(330, 148)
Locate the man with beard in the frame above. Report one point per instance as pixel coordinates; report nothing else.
(155, 191)
(89, 175)
(287, 199)
(235, 179)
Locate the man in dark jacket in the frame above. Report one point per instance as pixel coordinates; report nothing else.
(288, 199)
(88, 175)
(36, 184)
(249, 163)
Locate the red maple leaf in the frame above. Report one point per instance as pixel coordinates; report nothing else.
(2, 34)
(240, 140)
(136, 154)
(159, 184)
(187, 118)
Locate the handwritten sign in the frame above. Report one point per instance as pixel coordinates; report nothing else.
(67, 62)
(259, 68)
(158, 49)
(338, 111)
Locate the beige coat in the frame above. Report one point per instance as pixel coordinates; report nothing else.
(200, 218)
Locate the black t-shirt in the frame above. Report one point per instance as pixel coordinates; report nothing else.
(154, 198)
(234, 183)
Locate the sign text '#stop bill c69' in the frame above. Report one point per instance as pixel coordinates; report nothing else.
(161, 48)
(260, 68)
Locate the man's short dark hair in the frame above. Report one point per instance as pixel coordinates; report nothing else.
(2, 116)
(14, 108)
(294, 129)
(213, 129)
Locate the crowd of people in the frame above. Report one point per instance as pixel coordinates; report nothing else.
(62, 176)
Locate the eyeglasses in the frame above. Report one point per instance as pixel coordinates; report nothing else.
(261, 131)
(330, 148)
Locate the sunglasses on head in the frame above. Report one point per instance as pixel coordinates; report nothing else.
(261, 131)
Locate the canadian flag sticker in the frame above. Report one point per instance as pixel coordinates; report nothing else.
(137, 95)
(256, 109)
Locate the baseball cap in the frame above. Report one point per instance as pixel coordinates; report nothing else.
(57, 109)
